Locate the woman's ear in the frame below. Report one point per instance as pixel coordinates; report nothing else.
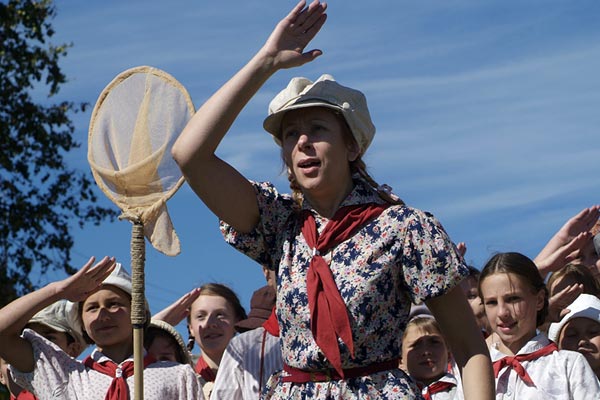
(353, 151)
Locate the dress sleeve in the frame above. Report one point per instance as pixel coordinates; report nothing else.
(50, 373)
(261, 244)
(430, 261)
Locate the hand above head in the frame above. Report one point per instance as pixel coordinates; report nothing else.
(559, 302)
(582, 222)
(461, 247)
(285, 46)
(180, 309)
(561, 255)
(77, 287)
(569, 241)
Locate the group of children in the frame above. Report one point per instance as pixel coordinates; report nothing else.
(41, 339)
(527, 363)
(509, 297)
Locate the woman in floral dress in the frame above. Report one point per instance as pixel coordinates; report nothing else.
(350, 256)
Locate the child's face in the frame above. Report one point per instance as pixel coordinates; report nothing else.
(424, 354)
(583, 335)
(58, 338)
(212, 322)
(511, 307)
(163, 348)
(106, 316)
(469, 288)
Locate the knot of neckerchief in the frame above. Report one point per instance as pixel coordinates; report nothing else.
(514, 362)
(204, 370)
(328, 314)
(436, 387)
(118, 389)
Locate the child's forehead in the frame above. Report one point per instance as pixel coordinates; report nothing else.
(422, 330)
(582, 321)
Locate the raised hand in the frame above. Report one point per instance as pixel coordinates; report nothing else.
(582, 222)
(569, 242)
(561, 300)
(78, 286)
(562, 255)
(292, 34)
(180, 309)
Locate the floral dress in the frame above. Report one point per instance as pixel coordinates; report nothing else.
(402, 256)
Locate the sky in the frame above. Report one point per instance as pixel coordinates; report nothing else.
(487, 113)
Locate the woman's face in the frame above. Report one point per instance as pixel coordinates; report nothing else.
(582, 335)
(511, 307)
(315, 149)
(106, 316)
(211, 323)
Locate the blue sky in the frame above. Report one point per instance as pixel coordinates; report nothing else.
(487, 112)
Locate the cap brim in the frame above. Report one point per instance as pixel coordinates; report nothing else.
(272, 123)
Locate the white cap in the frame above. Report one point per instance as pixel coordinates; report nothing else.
(62, 317)
(585, 306)
(120, 278)
(324, 92)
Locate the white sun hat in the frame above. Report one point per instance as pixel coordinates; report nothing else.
(584, 306)
(324, 92)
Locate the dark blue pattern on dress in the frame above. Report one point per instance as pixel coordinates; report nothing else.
(402, 256)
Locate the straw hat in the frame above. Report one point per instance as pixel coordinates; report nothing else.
(324, 92)
(168, 328)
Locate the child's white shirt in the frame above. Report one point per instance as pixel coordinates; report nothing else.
(58, 375)
(560, 375)
(447, 394)
(239, 371)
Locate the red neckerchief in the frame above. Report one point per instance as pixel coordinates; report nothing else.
(271, 325)
(436, 387)
(328, 314)
(118, 389)
(514, 362)
(24, 395)
(205, 371)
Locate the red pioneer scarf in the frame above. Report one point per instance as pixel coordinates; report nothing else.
(205, 371)
(23, 395)
(271, 325)
(436, 387)
(118, 389)
(328, 314)
(514, 362)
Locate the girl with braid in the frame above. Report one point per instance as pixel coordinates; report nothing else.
(526, 363)
(350, 256)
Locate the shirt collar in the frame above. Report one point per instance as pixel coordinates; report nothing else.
(362, 193)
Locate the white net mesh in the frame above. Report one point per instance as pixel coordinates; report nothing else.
(132, 129)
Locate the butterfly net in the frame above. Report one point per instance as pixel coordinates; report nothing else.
(133, 126)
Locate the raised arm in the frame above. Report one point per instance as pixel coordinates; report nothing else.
(223, 189)
(568, 242)
(14, 316)
(177, 311)
(460, 329)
